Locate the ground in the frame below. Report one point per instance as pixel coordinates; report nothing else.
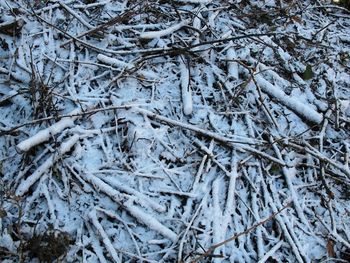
(174, 131)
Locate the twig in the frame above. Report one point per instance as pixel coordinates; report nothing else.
(27, 183)
(47, 133)
(314, 152)
(248, 230)
(271, 252)
(160, 33)
(111, 22)
(228, 39)
(287, 229)
(114, 215)
(105, 239)
(302, 110)
(209, 134)
(126, 203)
(288, 175)
(183, 239)
(77, 16)
(186, 91)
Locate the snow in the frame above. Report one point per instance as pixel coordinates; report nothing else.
(175, 131)
(113, 61)
(28, 182)
(164, 32)
(232, 65)
(45, 134)
(185, 88)
(290, 102)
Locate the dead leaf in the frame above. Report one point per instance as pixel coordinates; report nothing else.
(11, 27)
(296, 19)
(330, 248)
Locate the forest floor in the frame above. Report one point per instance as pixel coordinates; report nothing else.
(174, 131)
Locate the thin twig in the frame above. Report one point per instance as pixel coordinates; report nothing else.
(248, 230)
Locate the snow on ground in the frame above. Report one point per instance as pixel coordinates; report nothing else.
(174, 131)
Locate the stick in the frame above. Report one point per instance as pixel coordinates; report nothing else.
(161, 33)
(210, 134)
(135, 211)
(302, 110)
(186, 91)
(46, 134)
(288, 175)
(73, 13)
(271, 252)
(248, 230)
(65, 147)
(314, 152)
(105, 239)
(101, 27)
(223, 139)
(116, 216)
(183, 239)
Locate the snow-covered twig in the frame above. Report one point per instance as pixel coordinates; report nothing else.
(302, 110)
(76, 15)
(209, 134)
(114, 215)
(194, 1)
(248, 230)
(92, 5)
(105, 239)
(185, 87)
(232, 66)
(95, 243)
(114, 62)
(271, 252)
(314, 152)
(27, 183)
(46, 134)
(164, 32)
(289, 173)
(136, 212)
(138, 197)
(183, 239)
(286, 229)
(101, 27)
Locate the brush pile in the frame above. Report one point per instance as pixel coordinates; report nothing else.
(174, 131)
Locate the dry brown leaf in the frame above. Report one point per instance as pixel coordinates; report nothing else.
(330, 248)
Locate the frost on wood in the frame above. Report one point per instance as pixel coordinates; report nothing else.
(46, 134)
(113, 62)
(164, 32)
(185, 88)
(141, 216)
(200, 126)
(50, 161)
(292, 103)
(232, 66)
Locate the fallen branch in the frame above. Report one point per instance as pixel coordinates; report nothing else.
(65, 147)
(161, 33)
(126, 203)
(186, 91)
(105, 239)
(248, 230)
(46, 134)
(111, 22)
(302, 110)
